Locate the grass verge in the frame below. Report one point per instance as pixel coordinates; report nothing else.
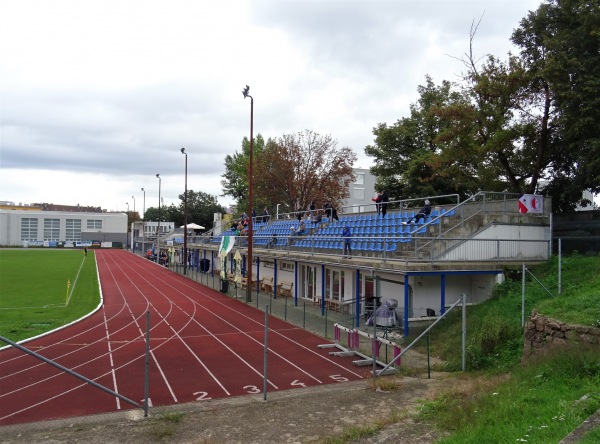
(540, 403)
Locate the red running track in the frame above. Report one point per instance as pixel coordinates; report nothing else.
(203, 345)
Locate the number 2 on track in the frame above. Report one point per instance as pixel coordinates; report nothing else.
(202, 396)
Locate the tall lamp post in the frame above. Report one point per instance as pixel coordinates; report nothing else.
(158, 230)
(128, 227)
(185, 253)
(245, 92)
(144, 225)
(132, 231)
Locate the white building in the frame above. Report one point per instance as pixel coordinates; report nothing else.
(362, 190)
(61, 228)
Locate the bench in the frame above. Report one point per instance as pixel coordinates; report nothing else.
(266, 284)
(285, 288)
(245, 283)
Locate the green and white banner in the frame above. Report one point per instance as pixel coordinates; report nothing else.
(227, 243)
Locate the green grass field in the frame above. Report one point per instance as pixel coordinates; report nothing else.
(33, 290)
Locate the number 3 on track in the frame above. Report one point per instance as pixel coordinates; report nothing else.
(251, 389)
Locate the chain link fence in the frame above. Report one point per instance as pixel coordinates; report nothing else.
(351, 336)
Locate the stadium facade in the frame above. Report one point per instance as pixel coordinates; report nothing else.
(34, 227)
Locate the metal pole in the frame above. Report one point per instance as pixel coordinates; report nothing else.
(133, 226)
(523, 296)
(559, 265)
(464, 331)
(374, 346)
(69, 371)
(147, 372)
(158, 230)
(185, 218)
(250, 196)
(144, 224)
(266, 352)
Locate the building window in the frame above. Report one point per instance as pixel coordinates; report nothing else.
(29, 229)
(359, 193)
(94, 224)
(360, 179)
(51, 229)
(73, 230)
(287, 266)
(334, 284)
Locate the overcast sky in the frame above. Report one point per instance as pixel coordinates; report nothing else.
(97, 97)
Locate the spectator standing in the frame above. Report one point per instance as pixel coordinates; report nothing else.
(384, 203)
(327, 207)
(312, 207)
(347, 236)
(377, 200)
(334, 214)
(266, 216)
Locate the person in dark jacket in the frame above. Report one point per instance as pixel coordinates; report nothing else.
(347, 236)
(425, 211)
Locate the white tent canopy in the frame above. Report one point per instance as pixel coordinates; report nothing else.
(193, 226)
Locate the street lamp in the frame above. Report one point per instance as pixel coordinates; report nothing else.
(144, 225)
(132, 230)
(185, 217)
(158, 231)
(249, 273)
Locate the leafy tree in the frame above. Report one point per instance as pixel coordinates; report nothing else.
(292, 170)
(298, 168)
(560, 44)
(528, 124)
(408, 154)
(235, 179)
(152, 214)
(200, 208)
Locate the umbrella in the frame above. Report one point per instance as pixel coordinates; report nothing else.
(238, 267)
(193, 226)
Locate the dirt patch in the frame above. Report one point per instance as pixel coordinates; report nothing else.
(355, 411)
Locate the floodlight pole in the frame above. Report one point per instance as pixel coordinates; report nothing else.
(128, 227)
(133, 226)
(158, 230)
(250, 197)
(144, 224)
(185, 221)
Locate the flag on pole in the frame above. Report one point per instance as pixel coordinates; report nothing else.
(226, 245)
(531, 203)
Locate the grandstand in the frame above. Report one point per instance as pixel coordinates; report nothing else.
(424, 266)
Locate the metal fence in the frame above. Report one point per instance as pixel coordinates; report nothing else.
(349, 335)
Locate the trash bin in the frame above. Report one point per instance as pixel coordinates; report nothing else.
(224, 285)
(204, 265)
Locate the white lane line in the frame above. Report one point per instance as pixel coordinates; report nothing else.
(176, 333)
(279, 334)
(112, 363)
